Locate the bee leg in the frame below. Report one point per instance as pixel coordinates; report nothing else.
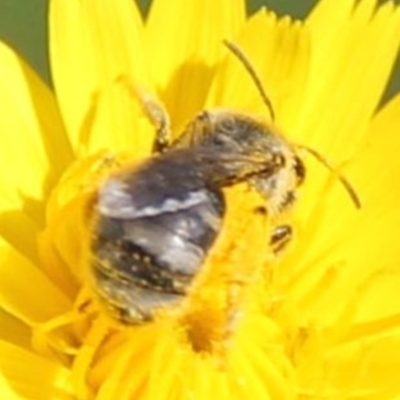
(154, 111)
(159, 118)
(280, 237)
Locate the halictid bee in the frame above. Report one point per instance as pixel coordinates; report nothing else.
(155, 223)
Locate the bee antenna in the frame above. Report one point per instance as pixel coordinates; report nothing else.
(346, 184)
(241, 56)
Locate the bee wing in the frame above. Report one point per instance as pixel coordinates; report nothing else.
(167, 183)
(174, 181)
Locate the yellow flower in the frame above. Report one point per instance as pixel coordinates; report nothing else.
(321, 321)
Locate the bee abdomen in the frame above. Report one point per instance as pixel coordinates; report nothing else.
(156, 256)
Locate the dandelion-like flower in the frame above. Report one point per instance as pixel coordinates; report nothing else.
(319, 321)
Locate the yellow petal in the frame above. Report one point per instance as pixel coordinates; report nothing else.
(361, 369)
(98, 62)
(25, 291)
(32, 376)
(281, 61)
(352, 267)
(6, 391)
(33, 141)
(352, 254)
(33, 153)
(20, 227)
(378, 189)
(185, 40)
(13, 330)
(353, 54)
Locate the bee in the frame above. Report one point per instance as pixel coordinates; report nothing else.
(155, 223)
